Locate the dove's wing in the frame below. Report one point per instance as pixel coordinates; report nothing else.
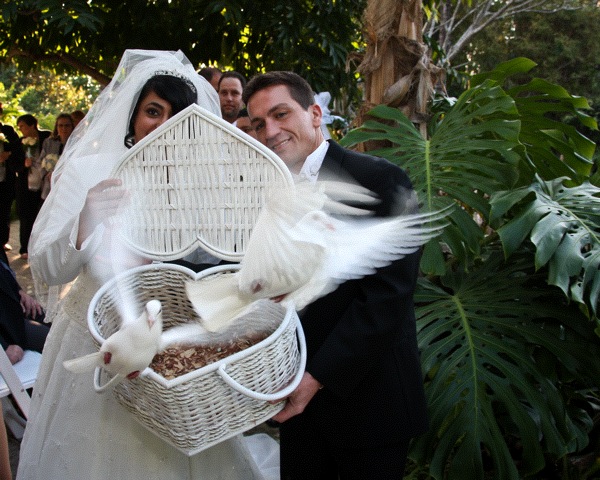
(85, 363)
(357, 247)
(217, 300)
(187, 333)
(275, 263)
(281, 257)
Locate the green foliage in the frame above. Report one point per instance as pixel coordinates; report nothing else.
(470, 155)
(500, 361)
(560, 44)
(546, 136)
(510, 359)
(564, 225)
(312, 38)
(44, 94)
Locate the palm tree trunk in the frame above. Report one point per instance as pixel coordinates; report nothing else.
(396, 67)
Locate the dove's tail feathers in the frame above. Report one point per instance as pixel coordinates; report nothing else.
(342, 198)
(405, 202)
(217, 300)
(338, 190)
(85, 363)
(335, 197)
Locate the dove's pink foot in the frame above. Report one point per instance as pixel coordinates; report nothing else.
(133, 375)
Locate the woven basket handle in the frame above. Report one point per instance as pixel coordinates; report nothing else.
(113, 381)
(269, 397)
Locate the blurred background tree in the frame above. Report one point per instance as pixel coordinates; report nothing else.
(324, 41)
(88, 38)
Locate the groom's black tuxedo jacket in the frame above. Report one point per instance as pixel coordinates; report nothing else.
(361, 338)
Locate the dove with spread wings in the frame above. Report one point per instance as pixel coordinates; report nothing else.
(306, 241)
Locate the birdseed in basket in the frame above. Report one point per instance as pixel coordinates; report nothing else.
(181, 359)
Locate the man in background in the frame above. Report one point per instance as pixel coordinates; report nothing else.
(12, 157)
(244, 124)
(231, 86)
(22, 324)
(212, 74)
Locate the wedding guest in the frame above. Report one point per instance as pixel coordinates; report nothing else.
(244, 124)
(11, 161)
(77, 116)
(29, 179)
(22, 324)
(231, 86)
(73, 432)
(52, 149)
(212, 74)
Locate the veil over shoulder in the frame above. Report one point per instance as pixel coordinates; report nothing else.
(91, 152)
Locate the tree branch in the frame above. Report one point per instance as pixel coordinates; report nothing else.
(481, 14)
(64, 58)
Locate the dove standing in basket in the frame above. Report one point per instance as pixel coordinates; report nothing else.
(362, 398)
(128, 351)
(73, 432)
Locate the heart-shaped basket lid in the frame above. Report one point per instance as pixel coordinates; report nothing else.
(196, 181)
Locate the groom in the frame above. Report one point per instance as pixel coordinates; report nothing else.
(361, 398)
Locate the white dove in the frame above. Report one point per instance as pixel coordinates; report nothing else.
(298, 252)
(128, 351)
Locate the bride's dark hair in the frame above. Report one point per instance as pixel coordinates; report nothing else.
(179, 92)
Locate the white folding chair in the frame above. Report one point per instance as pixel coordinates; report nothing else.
(15, 380)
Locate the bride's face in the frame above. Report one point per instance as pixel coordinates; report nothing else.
(153, 112)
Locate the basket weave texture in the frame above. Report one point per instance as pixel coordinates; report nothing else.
(196, 181)
(197, 410)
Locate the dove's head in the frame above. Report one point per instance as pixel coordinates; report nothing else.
(154, 310)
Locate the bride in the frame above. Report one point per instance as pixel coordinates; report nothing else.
(74, 432)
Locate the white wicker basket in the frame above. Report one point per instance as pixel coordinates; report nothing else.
(197, 181)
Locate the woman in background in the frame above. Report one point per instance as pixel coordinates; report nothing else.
(52, 149)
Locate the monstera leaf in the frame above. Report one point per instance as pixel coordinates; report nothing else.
(498, 355)
(554, 148)
(564, 225)
(470, 154)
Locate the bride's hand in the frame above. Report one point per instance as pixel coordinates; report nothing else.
(101, 202)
